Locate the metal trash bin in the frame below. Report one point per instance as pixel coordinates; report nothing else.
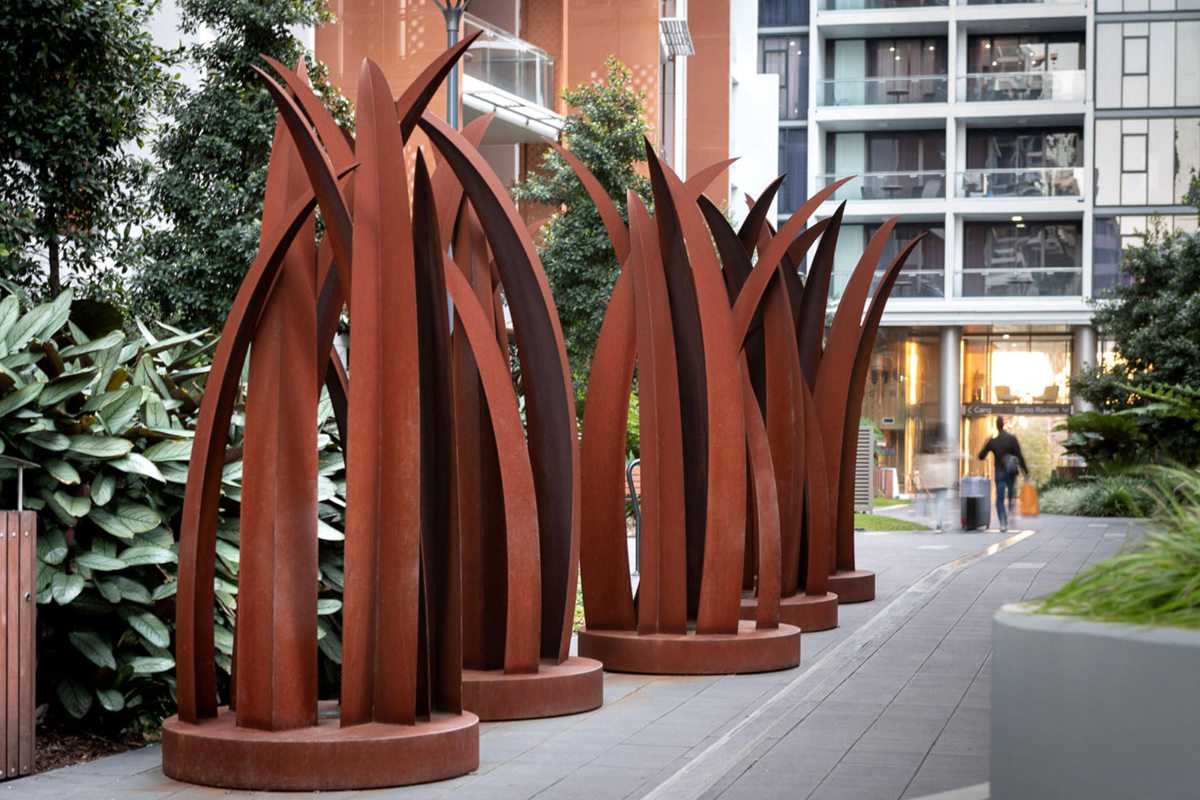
(975, 496)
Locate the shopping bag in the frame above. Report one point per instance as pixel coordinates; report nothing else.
(1027, 506)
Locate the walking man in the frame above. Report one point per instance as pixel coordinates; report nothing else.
(1006, 460)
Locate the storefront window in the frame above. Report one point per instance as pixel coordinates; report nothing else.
(901, 397)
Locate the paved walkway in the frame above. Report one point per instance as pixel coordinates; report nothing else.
(892, 704)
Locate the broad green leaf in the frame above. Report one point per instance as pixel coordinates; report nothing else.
(75, 506)
(147, 555)
(103, 343)
(99, 562)
(173, 471)
(173, 341)
(103, 488)
(228, 551)
(49, 440)
(132, 591)
(65, 386)
(328, 606)
(147, 665)
(23, 330)
(330, 644)
(65, 587)
(223, 639)
(100, 446)
(158, 537)
(52, 546)
(62, 471)
(157, 418)
(328, 532)
(138, 518)
(111, 699)
(20, 398)
(60, 312)
(170, 451)
(10, 309)
(138, 464)
(148, 626)
(325, 488)
(164, 590)
(110, 522)
(94, 646)
(41, 581)
(118, 416)
(75, 697)
(107, 589)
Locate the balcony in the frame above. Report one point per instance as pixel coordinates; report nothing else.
(889, 185)
(1026, 182)
(866, 5)
(1023, 282)
(505, 62)
(990, 87)
(1022, 2)
(881, 91)
(915, 280)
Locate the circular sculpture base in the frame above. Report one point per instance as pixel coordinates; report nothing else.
(749, 650)
(574, 686)
(808, 612)
(324, 757)
(853, 586)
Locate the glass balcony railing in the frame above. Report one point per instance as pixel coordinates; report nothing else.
(1014, 2)
(877, 91)
(863, 5)
(502, 60)
(1027, 182)
(889, 185)
(1069, 84)
(916, 281)
(1022, 282)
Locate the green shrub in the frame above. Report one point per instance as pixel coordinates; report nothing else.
(108, 418)
(1109, 443)
(1116, 496)
(1156, 581)
(1062, 499)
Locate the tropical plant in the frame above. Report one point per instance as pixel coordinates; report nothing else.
(107, 416)
(606, 131)
(213, 154)
(1108, 442)
(1100, 496)
(82, 82)
(1157, 581)
(1061, 499)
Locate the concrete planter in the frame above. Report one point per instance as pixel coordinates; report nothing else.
(1093, 710)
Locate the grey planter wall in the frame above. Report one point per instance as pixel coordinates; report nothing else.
(1093, 710)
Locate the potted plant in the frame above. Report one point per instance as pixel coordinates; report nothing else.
(1096, 688)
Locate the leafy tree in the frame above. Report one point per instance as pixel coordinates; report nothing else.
(606, 132)
(214, 154)
(83, 78)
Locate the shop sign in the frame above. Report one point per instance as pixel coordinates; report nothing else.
(1016, 409)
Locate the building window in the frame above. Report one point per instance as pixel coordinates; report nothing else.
(875, 71)
(784, 56)
(923, 274)
(1046, 52)
(793, 160)
(782, 13)
(1011, 259)
(1106, 255)
(1146, 161)
(889, 165)
(1024, 162)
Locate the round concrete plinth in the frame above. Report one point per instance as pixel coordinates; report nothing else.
(853, 586)
(808, 612)
(571, 687)
(323, 757)
(749, 650)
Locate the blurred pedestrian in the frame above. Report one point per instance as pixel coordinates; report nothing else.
(1006, 460)
(939, 469)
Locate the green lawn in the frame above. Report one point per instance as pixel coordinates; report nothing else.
(887, 502)
(879, 522)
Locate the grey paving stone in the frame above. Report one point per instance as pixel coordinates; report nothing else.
(941, 773)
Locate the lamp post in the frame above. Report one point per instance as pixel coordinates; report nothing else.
(452, 10)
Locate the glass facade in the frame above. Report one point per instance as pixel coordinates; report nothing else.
(1043, 66)
(784, 56)
(901, 397)
(1023, 162)
(924, 273)
(889, 165)
(1019, 259)
(793, 160)
(782, 13)
(878, 71)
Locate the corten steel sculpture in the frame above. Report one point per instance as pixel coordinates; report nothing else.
(820, 531)
(706, 458)
(400, 718)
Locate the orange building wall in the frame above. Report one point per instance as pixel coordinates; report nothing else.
(708, 92)
(628, 29)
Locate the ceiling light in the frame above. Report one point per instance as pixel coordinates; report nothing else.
(931, 48)
(892, 49)
(1017, 218)
(1006, 336)
(987, 45)
(993, 63)
(792, 43)
(897, 58)
(1020, 224)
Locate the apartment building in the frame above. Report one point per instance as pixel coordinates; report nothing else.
(994, 129)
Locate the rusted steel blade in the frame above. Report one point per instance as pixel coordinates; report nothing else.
(194, 649)
(411, 105)
(700, 180)
(383, 498)
(816, 550)
(714, 367)
(662, 596)
(766, 512)
(550, 404)
(521, 648)
(277, 612)
(810, 327)
(445, 183)
(618, 235)
(755, 222)
(865, 341)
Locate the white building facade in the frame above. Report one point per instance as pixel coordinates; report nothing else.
(1026, 141)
